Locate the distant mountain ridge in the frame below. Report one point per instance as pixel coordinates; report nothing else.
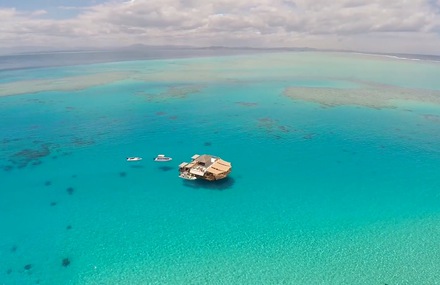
(138, 47)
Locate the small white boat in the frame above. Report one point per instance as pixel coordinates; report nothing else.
(162, 157)
(134, 158)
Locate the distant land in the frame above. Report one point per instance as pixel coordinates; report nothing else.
(139, 47)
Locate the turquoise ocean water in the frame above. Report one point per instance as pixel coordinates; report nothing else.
(318, 195)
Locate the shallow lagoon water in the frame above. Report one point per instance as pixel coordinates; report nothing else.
(319, 194)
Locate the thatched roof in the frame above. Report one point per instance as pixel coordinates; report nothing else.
(205, 159)
(211, 164)
(215, 171)
(223, 162)
(219, 166)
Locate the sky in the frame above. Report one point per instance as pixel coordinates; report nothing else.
(392, 26)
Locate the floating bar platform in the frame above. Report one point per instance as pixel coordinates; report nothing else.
(207, 167)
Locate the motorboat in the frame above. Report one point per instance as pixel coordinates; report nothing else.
(134, 158)
(162, 158)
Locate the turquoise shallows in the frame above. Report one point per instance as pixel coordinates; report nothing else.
(317, 195)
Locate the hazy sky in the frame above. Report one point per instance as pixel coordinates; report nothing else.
(374, 25)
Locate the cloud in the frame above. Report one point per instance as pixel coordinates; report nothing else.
(38, 13)
(7, 14)
(317, 23)
(72, 8)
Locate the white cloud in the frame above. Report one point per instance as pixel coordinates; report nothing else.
(39, 13)
(375, 25)
(72, 8)
(7, 14)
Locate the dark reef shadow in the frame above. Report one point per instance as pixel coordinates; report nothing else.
(247, 104)
(37, 162)
(166, 168)
(309, 136)
(80, 142)
(122, 174)
(28, 267)
(7, 168)
(65, 262)
(70, 190)
(207, 144)
(25, 157)
(284, 129)
(220, 185)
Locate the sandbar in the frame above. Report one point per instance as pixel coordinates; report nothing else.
(369, 95)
